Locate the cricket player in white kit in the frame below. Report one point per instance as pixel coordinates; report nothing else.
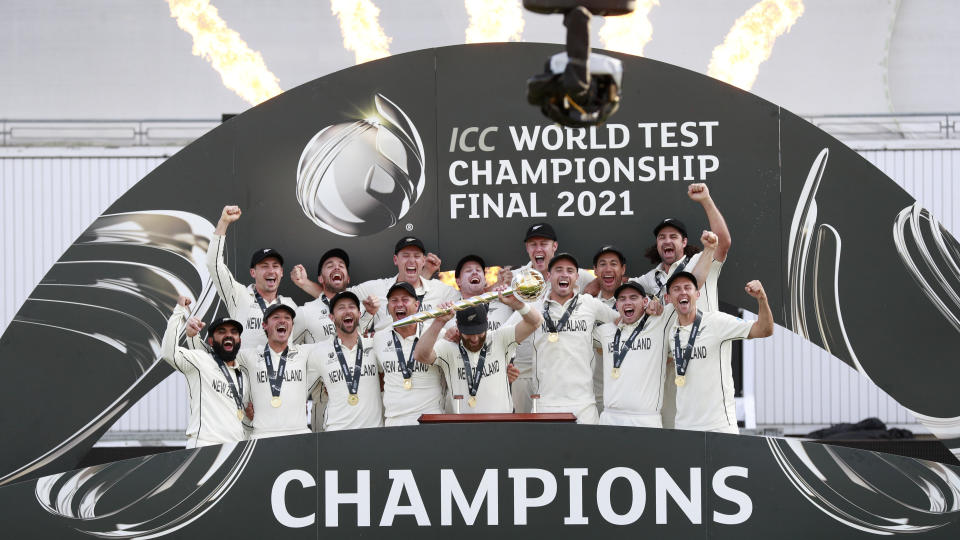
(217, 388)
(409, 256)
(609, 265)
(348, 371)
(672, 254)
(410, 388)
(634, 361)
(470, 274)
(280, 377)
(246, 303)
(476, 365)
(541, 243)
(563, 352)
(703, 374)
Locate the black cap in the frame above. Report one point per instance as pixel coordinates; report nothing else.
(331, 253)
(671, 222)
(402, 285)
(344, 295)
(472, 320)
(408, 241)
(277, 307)
(540, 230)
(630, 285)
(467, 258)
(678, 275)
(264, 253)
(217, 323)
(609, 249)
(561, 256)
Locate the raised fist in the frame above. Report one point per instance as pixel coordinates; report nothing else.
(299, 276)
(183, 301)
(371, 304)
(698, 192)
(709, 240)
(194, 326)
(431, 265)
(230, 214)
(755, 289)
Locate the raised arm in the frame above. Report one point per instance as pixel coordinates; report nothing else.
(424, 352)
(763, 327)
(299, 278)
(171, 337)
(221, 276)
(530, 318)
(701, 194)
(702, 269)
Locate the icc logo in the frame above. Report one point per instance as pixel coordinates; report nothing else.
(359, 178)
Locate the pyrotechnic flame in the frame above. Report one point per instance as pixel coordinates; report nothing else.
(360, 27)
(750, 41)
(629, 33)
(241, 69)
(494, 20)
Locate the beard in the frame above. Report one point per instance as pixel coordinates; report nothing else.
(226, 356)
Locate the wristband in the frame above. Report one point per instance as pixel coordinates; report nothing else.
(524, 310)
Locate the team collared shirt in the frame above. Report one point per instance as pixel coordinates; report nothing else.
(654, 282)
(639, 388)
(564, 369)
(339, 414)
(706, 401)
(427, 393)
(213, 410)
(240, 299)
(298, 380)
(493, 394)
(430, 292)
(314, 323)
(524, 357)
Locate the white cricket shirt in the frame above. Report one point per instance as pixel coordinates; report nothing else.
(655, 281)
(564, 370)
(240, 299)
(493, 394)
(426, 396)
(339, 414)
(298, 380)
(213, 410)
(639, 389)
(706, 401)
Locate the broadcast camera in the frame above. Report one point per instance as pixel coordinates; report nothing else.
(578, 89)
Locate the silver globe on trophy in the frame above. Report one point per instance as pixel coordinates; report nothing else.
(528, 284)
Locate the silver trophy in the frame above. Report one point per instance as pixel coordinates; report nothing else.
(528, 285)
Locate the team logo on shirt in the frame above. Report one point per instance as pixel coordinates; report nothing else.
(573, 325)
(488, 370)
(640, 344)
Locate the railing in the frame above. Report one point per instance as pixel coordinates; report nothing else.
(862, 127)
(112, 133)
(180, 132)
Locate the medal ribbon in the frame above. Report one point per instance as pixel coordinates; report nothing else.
(682, 357)
(680, 267)
(260, 301)
(226, 375)
(618, 354)
(352, 378)
(405, 368)
(276, 381)
(551, 327)
(473, 379)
